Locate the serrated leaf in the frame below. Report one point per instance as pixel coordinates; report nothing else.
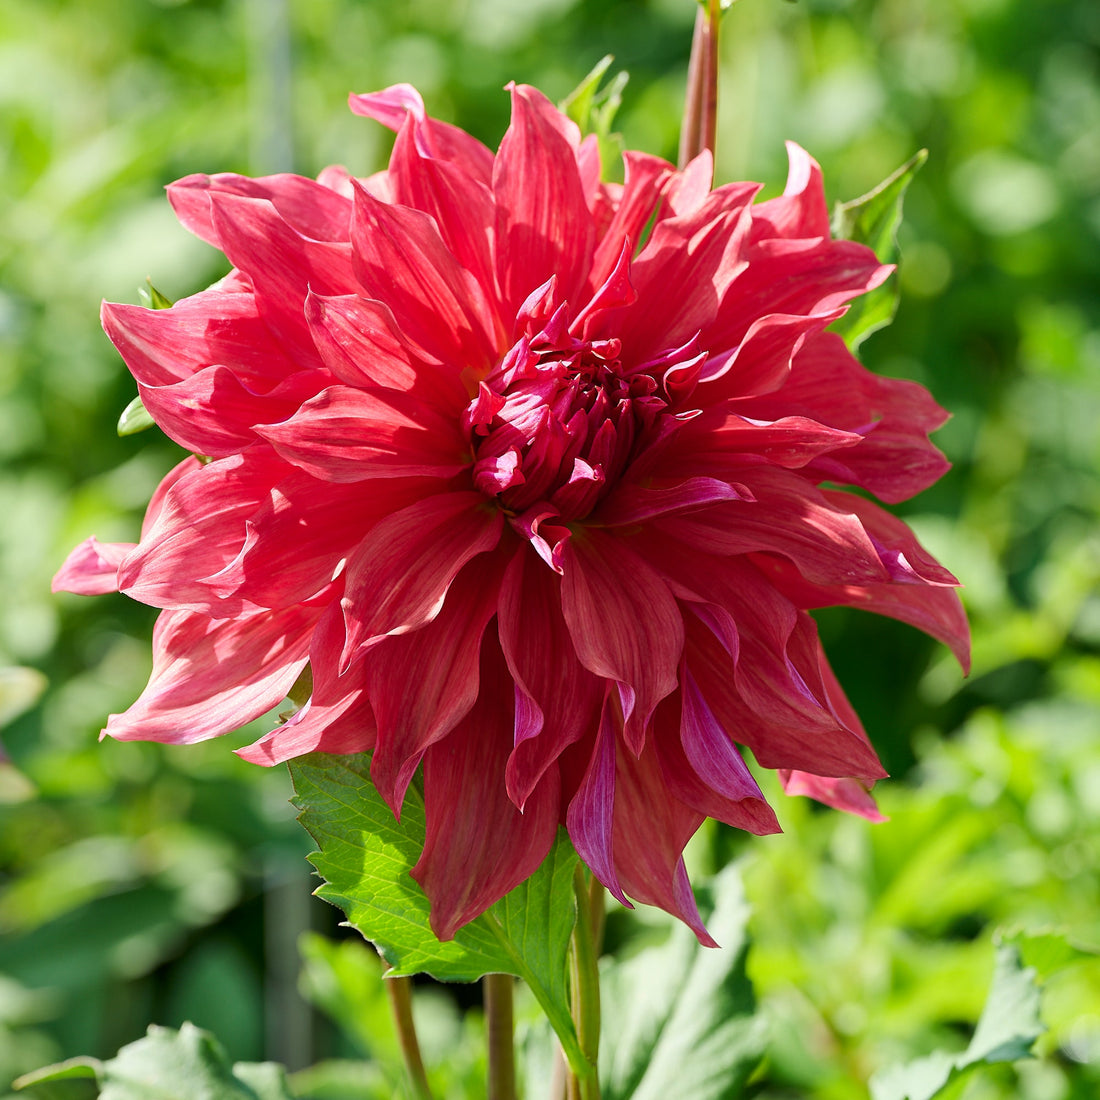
(1006, 1032)
(680, 1019)
(873, 220)
(365, 857)
(188, 1064)
(134, 419)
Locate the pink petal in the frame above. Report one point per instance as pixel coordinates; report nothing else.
(787, 516)
(801, 211)
(91, 569)
(625, 624)
(630, 503)
(347, 435)
(211, 676)
(543, 225)
(200, 526)
(346, 726)
(850, 795)
(163, 346)
(398, 576)
(401, 259)
(556, 696)
(478, 846)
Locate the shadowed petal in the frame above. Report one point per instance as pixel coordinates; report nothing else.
(91, 569)
(472, 859)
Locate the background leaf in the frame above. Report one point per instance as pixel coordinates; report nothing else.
(680, 1019)
(873, 220)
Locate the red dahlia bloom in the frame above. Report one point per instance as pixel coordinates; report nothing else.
(527, 467)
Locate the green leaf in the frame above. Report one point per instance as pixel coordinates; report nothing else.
(188, 1064)
(873, 220)
(365, 858)
(1006, 1031)
(593, 109)
(680, 1019)
(152, 298)
(134, 419)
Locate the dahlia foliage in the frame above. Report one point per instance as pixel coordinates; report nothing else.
(527, 468)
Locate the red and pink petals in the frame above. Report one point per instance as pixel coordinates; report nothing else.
(650, 831)
(543, 224)
(787, 516)
(478, 846)
(630, 503)
(807, 277)
(91, 569)
(557, 698)
(761, 362)
(360, 342)
(700, 254)
(313, 209)
(895, 459)
(590, 816)
(626, 626)
(211, 676)
(723, 795)
(801, 211)
(297, 539)
(213, 413)
(344, 434)
(283, 265)
(345, 726)
(461, 205)
(200, 527)
(906, 561)
(422, 684)
(216, 326)
(441, 140)
(646, 180)
(844, 793)
(401, 259)
(398, 576)
(936, 610)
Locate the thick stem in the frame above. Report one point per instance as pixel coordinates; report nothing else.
(701, 103)
(585, 975)
(497, 990)
(400, 992)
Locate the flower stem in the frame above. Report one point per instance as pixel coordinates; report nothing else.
(701, 104)
(585, 975)
(400, 992)
(497, 990)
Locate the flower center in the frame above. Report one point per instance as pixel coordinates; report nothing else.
(558, 420)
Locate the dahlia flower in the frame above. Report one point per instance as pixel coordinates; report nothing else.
(527, 468)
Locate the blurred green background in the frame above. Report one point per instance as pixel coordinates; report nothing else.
(141, 883)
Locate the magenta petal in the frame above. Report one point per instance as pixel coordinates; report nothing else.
(344, 727)
(478, 846)
(91, 569)
(851, 795)
(248, 665)
(590, 816)
(624, 622)
(398, 576)
(801, 211)
(650, 831)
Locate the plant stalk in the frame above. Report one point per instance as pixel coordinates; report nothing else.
(400, 993)
(585, 981)
(701, 103)
(497, 990)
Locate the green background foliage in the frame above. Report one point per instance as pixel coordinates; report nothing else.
(146, 884)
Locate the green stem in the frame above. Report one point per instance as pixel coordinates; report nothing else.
(585, 975)
(400, 993)
(700, 123)
(497, 990)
